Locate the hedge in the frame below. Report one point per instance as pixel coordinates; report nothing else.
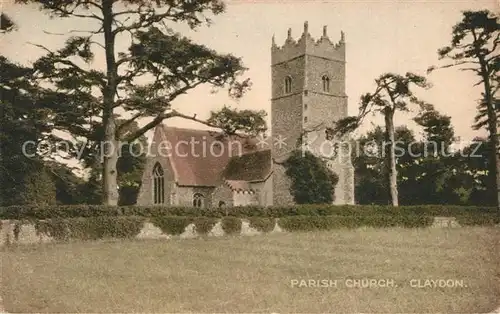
(92, 228)
(72, 211)
(130, 226)
(262, 224)
(203, 225)
(231, 225)
(313, 223)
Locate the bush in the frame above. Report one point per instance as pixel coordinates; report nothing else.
(173, 225)
(204, 225)
(479, 220)
(91, 228)
(73, 211)
(231, 225)
(262, 224)
(313, 223)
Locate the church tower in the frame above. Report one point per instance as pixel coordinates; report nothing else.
(308, 96)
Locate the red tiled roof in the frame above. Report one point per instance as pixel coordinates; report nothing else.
(199, 157)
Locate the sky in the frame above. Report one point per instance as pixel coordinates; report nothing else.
(381, 36)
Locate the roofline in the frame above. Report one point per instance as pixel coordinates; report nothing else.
(195, 185)
(264, 179)
(172, 164)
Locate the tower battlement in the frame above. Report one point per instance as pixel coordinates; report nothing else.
(307, 45)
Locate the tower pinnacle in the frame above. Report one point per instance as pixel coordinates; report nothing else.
(306, 28)
(325, 31)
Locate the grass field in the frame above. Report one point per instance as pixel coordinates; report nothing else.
(257, 274)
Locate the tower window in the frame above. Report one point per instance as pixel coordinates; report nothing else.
(305, 106)
(326, 83)
(305, 119)
(288, 85)
(158, 185)
(198, 200)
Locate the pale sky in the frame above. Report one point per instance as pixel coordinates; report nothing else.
(381, 36)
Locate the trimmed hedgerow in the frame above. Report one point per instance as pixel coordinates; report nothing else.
(92, 228)
(56, 228)
(231, 225)
(313, 223)
(72, 211)
(262, 224)
(478, 220)
(173, 225)
(204, 225)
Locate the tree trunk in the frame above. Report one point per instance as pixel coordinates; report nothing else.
(110, 144)
(110, 159)
(494, 168)
(392, 173)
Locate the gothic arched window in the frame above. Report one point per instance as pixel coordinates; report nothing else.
(326, 83)
(198, 200)
(288, 84)
(158, 184)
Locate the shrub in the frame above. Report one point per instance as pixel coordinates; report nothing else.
(56, 228)
(231, 225)
(479, 220)
(173, 225)
(262, 224)
(204, 225)
(73, 211)
(312, 182)
(313, 223)
(91, 228)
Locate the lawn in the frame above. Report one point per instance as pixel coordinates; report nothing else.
(261, 273)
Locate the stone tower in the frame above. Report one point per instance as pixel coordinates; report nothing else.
(308, 95)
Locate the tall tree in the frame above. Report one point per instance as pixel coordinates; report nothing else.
(168, 63)
(474, 44)
(393, 93)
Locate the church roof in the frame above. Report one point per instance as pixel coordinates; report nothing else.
(254, 166)
(200, 157)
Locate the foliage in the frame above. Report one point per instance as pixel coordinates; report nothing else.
(91, 228)
(478, 220)
(30, 212)
(6, 23)
(393, 93)
(370, 172)
(312, 181)
(474, 47)
(204, 224)
(245, 121)
(262, 224)
(231, 225)
(141, 81)
(315, 223)
(173, 225)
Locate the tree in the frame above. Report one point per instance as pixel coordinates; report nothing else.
(312, 181)
(170, 64)
(6, 23)
(393, 93)
(425, 176)
(23, 177)
(369, 164)
(474, 43)
(129, 167)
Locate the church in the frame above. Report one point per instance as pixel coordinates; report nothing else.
(190, 167)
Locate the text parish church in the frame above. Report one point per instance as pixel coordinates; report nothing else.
(308, 95)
